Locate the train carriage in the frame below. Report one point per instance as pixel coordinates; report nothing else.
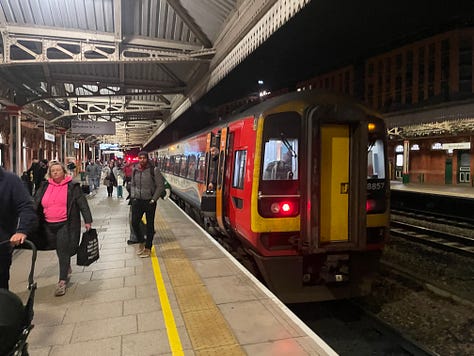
(301, 196)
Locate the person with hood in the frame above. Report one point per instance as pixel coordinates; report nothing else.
(17, 220)
(59, 202)
(147, 185)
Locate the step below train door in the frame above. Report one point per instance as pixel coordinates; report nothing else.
(334, 189)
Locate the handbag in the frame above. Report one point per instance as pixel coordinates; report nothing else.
(88, 251)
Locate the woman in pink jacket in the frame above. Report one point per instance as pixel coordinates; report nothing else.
(59, 202)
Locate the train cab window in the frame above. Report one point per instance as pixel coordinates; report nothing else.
(239, 169)
(281, 141)
(375, 159)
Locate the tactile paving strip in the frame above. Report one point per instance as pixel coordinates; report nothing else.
(207, 328)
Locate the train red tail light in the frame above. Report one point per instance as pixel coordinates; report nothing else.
(278, 207)
(370, 205)
(282, 208)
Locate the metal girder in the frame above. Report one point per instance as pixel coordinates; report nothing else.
(59, 46)
(247, 29)
(102, 106)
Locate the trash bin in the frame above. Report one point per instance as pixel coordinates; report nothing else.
(405, 178)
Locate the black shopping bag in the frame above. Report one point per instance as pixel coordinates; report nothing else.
(88, 250)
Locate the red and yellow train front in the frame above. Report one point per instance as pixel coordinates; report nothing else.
(307, 221)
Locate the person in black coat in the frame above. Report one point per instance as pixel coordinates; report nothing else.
(59, 203)
(17, 220)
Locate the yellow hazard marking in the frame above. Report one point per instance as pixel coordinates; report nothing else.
(171, 330)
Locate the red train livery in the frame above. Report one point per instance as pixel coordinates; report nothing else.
(301, 192)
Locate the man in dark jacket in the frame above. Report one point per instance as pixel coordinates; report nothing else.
(147, 185)
(17, 219)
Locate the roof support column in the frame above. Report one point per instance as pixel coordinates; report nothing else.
(15, 140)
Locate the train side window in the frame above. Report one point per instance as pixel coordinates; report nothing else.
(177, 162)
(191, 167)
(184, 166)
(239, 169)
(201, 169)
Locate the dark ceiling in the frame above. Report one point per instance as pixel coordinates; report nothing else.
(325, 35)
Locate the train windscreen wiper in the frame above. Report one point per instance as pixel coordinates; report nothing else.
(287, 144)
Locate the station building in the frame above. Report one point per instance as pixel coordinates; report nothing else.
(426, 91)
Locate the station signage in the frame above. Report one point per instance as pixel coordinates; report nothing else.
(92, 127)
(49, 137)
(457, 146)
(76, 145)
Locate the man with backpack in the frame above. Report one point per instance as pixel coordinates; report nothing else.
(147, 185)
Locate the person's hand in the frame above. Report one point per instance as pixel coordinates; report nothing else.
(87, 226)
(17, 239)
(167, 193)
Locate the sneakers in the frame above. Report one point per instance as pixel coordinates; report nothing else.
(60, 289)
(141, 248)
(146, 253)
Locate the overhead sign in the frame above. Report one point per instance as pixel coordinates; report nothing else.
(92, 127)
(457, 146)
(109, 146)
(76, 145)
(49, 137)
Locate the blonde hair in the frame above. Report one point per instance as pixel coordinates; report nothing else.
(55, 163)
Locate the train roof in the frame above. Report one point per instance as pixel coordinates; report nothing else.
(311, 97)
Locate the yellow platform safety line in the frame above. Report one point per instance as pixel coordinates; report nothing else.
(171, 330)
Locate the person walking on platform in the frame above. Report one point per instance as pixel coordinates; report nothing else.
(93, 171)
(59, 202)
(147, 185)
(17, 219)
(38, 170)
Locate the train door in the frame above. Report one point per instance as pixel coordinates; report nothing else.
(220, 205)
(334, 189)
(448, 171)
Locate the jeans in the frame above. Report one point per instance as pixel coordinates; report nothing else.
(140, 207)
(58, 237)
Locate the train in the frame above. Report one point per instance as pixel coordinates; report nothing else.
(301, 196)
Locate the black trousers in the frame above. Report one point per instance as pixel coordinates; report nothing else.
(5, 263)
(140, 207)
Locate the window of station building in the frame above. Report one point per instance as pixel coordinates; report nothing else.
(399, 160)
(408, 77)
(239, 169)
(445, 69)
(465, 65)
(421, 74)
(201, 168)
(431, 69)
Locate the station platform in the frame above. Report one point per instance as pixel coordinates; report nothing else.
(189, 298)
(465, 191)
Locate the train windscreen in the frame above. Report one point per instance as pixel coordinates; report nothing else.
(280, 151)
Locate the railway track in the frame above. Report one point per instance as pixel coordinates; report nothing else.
(425, 231)
(352, 330)
(449, 220)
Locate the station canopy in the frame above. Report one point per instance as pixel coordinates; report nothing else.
(137, 63)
